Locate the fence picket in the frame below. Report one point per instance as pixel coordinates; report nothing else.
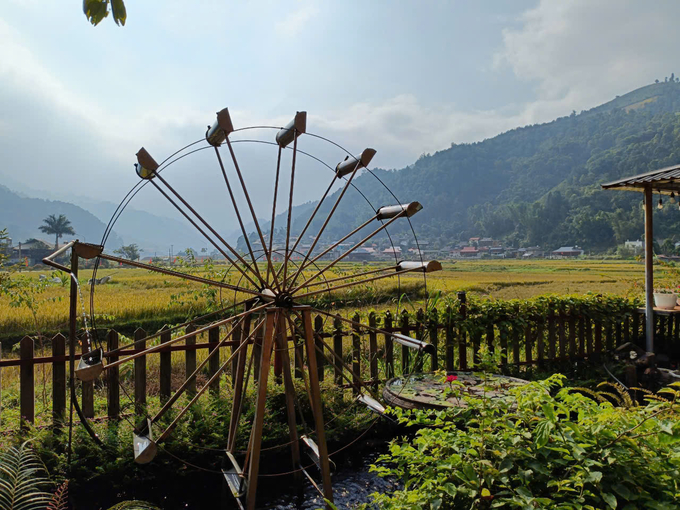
(449, 340)
(551, 336)
(190, 360)
(539, 342)
(165, 377)
(58, 380)
(320, 358)
(572, 334)
(433, 323)
(26, 382)
(214, 363)
(528, 343)
(113, 379)
(462, 340)
(140, 373)
(373, 349)
(87, 388)
(405, 352)
(356, 353)
(337, 347)
(389, 347)
(562, 335)
(598, 338)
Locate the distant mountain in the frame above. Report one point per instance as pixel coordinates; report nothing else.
(22, 216)
(532, 185)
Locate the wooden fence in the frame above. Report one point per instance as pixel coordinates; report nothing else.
(373, 357)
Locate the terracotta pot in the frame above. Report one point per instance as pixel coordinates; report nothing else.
(665, 301)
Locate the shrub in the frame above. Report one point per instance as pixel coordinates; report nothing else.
(534, 450)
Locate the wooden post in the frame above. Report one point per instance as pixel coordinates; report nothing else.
(539, 342)
(165, 377)
(598, 337)
(320, 358)
(337, 347)
(257, 353)
(419, 334)
(373, 350)
(316, 407)
(503, 334)
(649, 269)
(449, 340)
(515, 344)
(490, 344)
(214, 363)
(190, 360)
(87, 388)
(562, 335)
(389, 347)
(258, 419)
(528, 344)
(113, 378)
(589, 336)
(433, 323)
(551, 336)
(405, 351)
(581, 334)
(462, 342)
(356, 354)
(609, 345)
(636, 327)
(299, 355)
(26, 382)
(58, 381)
(72, 317)
(140, 373)
(572, 334)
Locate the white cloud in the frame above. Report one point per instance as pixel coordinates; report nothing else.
(294, 22)
(581, 53)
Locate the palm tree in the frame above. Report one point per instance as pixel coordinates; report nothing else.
(57, 226)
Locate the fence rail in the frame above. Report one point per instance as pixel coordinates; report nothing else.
(372, 357)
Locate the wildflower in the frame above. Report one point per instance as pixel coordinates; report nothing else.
(451, 378)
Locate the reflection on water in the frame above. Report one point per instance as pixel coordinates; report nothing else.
(352, 484)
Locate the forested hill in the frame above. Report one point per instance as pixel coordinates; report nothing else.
(535, 185)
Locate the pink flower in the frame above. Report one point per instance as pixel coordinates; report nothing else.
(451, 378)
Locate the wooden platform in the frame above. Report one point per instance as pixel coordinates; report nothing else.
(662, 311)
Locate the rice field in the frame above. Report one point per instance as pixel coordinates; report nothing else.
(138, 295)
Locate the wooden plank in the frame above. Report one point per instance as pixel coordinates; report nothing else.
(503, 334)
(528, 344)
(476, 344)
(515, 344)
(626, 329)
(598, 338)
(609, 336)
(562, 337)
(337, 348)
(257, 353)
(165, 377)
(190, 360)
(356, 353)
(373, 349)
(389, 347)
(552, 340)
(572, 334)
(490, 337)
(87, 388)
(140, 373)
(299, 354)
(636, 326)
(433, 323)
(26, 382)
(320, 358)
(449, 340)
(589, 336)
(419, 334)
(540, 349)
(619, 333)
(214, 363)
(405, 351)
(462, 340)
(113, 379)
(58, 381)
(582, 335)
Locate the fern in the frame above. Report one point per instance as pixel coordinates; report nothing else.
(589, 393)
(60, 498)
(22, 475)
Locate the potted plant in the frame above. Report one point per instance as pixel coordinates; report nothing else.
(665, 298)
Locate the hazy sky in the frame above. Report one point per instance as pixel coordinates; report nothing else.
(76, 101)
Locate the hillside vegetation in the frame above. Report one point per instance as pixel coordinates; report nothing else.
(535, 185)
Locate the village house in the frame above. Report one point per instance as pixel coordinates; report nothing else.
(469, 252)
(567, 252)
